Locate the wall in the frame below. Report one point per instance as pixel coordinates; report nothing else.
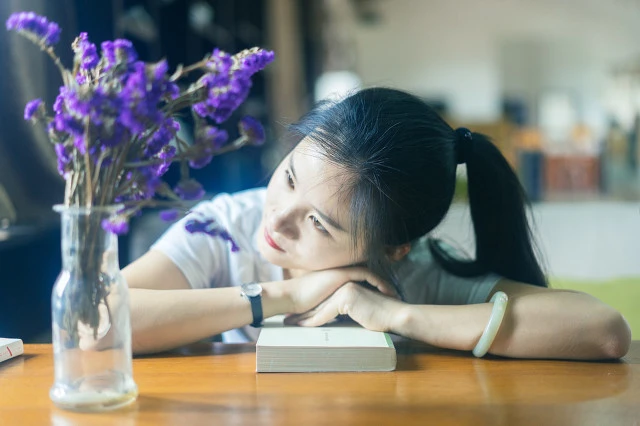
(467, 51)
(591, 241)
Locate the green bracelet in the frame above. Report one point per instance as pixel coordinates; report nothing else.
(499, 300)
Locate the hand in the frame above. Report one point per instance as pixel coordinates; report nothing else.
(308, 291)
(370, 309)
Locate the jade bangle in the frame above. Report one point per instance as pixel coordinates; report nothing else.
(499, 301)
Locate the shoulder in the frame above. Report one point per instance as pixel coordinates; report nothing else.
(425, 281)
(224, 253)
(417, 272)
(235, 204)
(240, 211)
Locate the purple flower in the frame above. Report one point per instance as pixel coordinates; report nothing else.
(31, 108)
(212, 137)
(86, 52)
(112, 136)
(58, 105)
(38, 26)
(161, 137)
(189, 190)
(167, 153)
(256, 59)
(67, 124)
(118, 52)
(118, 225)
(228, 86)
(62, 152)
(220, 62)
(63, 155)
(252, 129)
(117, 111)
(160, 84)
(200, 161)
(169, 215)
(209, 139)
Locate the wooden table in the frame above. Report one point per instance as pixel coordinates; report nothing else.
(216, 384)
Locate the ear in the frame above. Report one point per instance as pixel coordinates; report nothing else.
(396, 253)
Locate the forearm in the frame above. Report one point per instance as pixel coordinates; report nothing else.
(165, 319)
(539, 325)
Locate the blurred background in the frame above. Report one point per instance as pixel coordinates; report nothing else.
(555, 84)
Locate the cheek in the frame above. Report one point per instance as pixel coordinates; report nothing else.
(273, 193)
(325, 254)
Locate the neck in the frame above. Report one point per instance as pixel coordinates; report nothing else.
(293, 273)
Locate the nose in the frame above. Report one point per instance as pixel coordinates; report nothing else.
(283, 221)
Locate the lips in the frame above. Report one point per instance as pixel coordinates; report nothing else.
(270, 241)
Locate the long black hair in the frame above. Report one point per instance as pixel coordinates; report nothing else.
(403, 157)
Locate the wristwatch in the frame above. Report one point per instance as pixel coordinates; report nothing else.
(253, 292)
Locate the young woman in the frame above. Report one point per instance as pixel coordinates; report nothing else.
(353, 204)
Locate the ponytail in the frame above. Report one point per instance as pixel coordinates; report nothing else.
(504, 243)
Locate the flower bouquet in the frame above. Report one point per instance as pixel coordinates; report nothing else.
(115, 134)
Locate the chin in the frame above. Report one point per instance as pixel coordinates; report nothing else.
(270, 255)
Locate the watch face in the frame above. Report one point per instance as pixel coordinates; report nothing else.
(252, 289)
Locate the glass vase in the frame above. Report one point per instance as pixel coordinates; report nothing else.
(90, 317)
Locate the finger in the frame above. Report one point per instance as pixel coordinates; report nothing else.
(327, 311)
(291, 319)
(364, 274)
(327, 314)
(295, 318)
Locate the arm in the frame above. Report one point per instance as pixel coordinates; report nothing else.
(539, 322)
(167, 313)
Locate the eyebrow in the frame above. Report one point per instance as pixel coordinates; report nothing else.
(332, 222)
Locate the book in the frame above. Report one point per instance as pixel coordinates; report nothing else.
(335, 347)
(10, 348)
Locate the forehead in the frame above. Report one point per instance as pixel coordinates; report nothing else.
(313, 168)
(325, 183)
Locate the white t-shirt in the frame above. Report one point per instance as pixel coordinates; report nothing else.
(209, 262)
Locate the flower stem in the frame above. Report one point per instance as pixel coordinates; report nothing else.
(87, 165)
(182, 71)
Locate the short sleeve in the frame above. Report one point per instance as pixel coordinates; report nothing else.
(200, 257)
(424, 281)
(455, 290)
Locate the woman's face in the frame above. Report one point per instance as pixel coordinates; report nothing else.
(305, 223)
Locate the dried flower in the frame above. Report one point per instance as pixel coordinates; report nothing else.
(32, 108)
(86, 53)
(119, 225)
(169, 215)
(35, 26)
(114, 134)
(252, 129)
(189, 190)
(113, 127)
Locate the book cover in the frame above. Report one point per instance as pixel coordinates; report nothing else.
(10, 348)
(334, 347)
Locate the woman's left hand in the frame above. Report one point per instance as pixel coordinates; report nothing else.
(370, 309)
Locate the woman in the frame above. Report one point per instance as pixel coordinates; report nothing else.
(353, 203)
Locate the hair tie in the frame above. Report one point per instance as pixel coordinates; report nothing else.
(464, 138)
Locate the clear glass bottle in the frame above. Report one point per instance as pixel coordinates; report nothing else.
(90, 317)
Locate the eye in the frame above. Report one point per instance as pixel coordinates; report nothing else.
(318, 225)
(289, 179)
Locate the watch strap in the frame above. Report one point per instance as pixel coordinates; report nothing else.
(256, 310)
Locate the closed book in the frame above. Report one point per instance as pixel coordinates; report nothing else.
(10, 348)
(336, 347)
